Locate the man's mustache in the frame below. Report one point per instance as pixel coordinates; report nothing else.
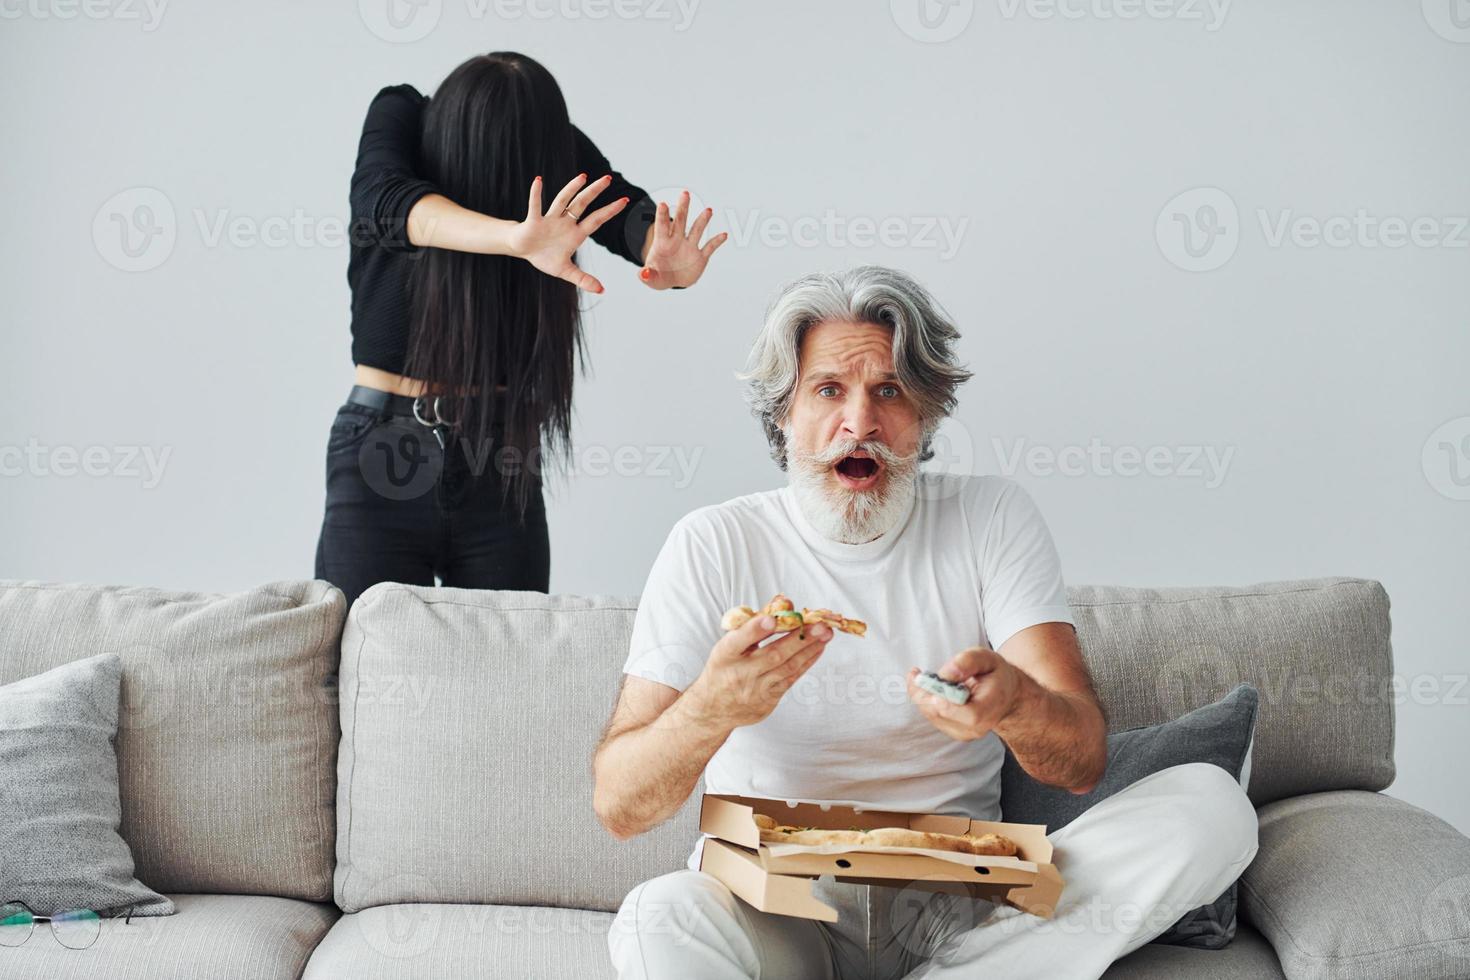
(846, 447)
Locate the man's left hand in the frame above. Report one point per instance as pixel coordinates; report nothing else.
(994, 685)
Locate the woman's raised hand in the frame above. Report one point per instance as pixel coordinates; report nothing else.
(548, 239)
(675, 257)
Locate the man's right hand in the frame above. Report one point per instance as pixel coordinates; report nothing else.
(742, 682)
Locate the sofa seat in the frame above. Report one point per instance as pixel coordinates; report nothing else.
(490, 942)
(467, 942)
(222, 937)
(1248, 957)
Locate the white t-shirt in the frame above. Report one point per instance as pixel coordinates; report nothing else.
(971, 564)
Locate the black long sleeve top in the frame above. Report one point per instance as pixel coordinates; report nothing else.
(386, 185)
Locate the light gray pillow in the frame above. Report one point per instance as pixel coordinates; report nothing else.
(1351, 885)
(59, 807)
(1221, 733)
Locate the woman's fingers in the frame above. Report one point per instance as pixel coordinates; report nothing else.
(565, 196)
(588, 194)
(582, 280)
(598, 218)
(681, 212)
(533, 206)
(661, 220)
(696, 231)
(714, 243)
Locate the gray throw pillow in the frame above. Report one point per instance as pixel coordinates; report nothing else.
(1219, 733)
(59, 808)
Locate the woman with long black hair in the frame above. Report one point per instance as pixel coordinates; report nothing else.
(466, 330)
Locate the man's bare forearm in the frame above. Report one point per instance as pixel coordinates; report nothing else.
(1058, 737)
(643, 776)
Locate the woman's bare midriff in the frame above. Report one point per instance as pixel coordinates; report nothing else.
(397, 384)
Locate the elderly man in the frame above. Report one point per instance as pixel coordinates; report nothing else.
(850, 377)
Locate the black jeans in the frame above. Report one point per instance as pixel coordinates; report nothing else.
(401, 509)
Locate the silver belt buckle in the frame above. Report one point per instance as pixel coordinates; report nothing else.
(436, 426)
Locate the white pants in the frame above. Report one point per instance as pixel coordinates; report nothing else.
(1132, 866)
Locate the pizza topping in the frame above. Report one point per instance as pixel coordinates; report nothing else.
(778, 605)
(789, 619)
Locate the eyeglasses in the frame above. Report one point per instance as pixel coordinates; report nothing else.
(73, 928)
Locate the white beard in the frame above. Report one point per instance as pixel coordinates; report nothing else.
(851, 516)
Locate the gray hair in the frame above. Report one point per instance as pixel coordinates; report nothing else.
(923, 344)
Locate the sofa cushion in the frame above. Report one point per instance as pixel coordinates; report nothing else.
(221, 937)
(1248, 957)
(1316, 650)
(59, 810)
(1352, 885)
(467, 942)
(228, 724)
(484, 942)
(1218, 733)
(469, 719)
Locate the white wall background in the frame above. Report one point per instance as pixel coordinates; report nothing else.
(1052, 139)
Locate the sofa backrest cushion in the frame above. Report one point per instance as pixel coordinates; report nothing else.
(1317, 652)
(469, 719)
(227, 728)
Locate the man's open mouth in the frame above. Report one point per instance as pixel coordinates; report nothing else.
(857, 471)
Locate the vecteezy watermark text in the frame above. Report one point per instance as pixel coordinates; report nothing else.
(136, 229)
(1446, 459)
(929, 232)
(406, 21)
(1201, 229)
(400, 460)
(148, 12)
(1192, 462)
(1210, 13)
(143, 463)
(937, 21)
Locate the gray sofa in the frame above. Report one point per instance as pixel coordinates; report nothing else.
(435, 819)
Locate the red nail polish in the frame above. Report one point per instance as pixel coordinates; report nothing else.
(645, 274)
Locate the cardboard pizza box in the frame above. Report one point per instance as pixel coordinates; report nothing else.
(777, 877)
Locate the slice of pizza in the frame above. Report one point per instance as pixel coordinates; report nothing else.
(773, 833)
(998, 844)
(980, 845)
(787, 618)
(835, 620)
